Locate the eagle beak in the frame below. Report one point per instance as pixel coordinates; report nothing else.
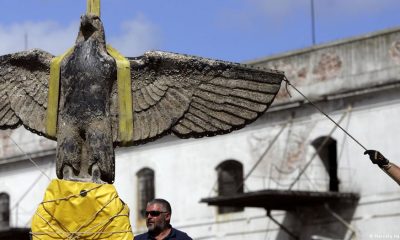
(87, 27)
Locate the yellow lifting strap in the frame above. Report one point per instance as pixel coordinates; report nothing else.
(93, 7)
(124, 95)
(54, 92)
(81, 210)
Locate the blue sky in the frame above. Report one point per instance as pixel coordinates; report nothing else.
(233, 30)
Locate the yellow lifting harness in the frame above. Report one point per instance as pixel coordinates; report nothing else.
(93, 7)
(81, 210)
(124, 95)
(85, 210)
(53, 95)
(124, 88)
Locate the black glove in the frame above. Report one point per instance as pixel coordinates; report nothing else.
(377, 158)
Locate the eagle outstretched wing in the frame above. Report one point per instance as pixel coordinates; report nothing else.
(193, 96)
(186, 95)
(24, 80)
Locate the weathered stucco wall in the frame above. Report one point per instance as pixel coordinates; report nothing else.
(185, 173)
(342, 66)
(14, 144)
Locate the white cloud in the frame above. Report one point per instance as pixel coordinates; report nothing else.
(48, 36)
(138, 36)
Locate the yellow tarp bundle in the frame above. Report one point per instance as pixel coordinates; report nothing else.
(81, 210)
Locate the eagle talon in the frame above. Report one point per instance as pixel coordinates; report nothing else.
(68, 173)
(96, 174)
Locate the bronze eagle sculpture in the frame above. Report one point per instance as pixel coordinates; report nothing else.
(171, 93)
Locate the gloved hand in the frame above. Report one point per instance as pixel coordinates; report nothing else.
(377, 158)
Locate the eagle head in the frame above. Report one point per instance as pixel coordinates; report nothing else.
(91, 28)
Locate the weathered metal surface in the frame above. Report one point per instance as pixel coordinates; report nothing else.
(172, 93)
(84, 125)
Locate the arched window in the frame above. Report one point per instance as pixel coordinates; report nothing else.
(328, 155)
(4, 211)
(145, 178)
(230, 182)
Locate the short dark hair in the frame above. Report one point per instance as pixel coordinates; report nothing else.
(163, 202)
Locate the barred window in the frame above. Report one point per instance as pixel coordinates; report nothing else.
(4, 211)
(145, 188)
(230, 182)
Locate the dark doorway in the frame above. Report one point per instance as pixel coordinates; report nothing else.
(230, 177)
(4, 211)
(327, 151)
(145, 178)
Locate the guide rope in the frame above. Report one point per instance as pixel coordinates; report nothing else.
(323, 113)
(326, 139)
(263, 155)
(287, 172)
(30, 159)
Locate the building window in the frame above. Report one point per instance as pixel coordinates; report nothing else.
(4, 211)
(230, 182)
(145, 188)
(328, 155)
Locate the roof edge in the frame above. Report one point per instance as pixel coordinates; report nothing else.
(325, 45)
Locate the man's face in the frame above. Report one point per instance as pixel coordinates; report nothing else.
(157, 218)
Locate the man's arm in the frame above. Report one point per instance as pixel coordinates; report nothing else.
(390, 168)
